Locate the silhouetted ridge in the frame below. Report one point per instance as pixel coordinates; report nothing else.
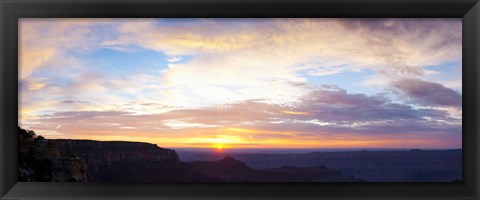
(225, 169)
(231, 162)
(230, 169)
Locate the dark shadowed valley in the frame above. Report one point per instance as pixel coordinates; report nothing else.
(413, 165)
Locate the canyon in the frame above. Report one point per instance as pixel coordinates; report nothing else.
(49, 160)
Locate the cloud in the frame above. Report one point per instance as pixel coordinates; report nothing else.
(332, 112)
(336, 112)
(428, 93)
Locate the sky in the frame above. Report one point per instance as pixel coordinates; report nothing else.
(244, 83)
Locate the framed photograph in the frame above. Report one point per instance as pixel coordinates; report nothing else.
(239, 99)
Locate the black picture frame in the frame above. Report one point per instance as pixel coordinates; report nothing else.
(12, 10)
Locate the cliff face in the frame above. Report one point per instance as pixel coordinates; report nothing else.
(45, 160)
(107, 152)
(40, 160)
(118, 161)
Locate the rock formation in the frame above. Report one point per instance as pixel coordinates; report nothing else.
(40, 160)
(114, 161)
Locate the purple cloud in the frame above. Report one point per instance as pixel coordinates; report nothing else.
(429, 93)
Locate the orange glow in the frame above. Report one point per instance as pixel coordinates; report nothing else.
(221, 139)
